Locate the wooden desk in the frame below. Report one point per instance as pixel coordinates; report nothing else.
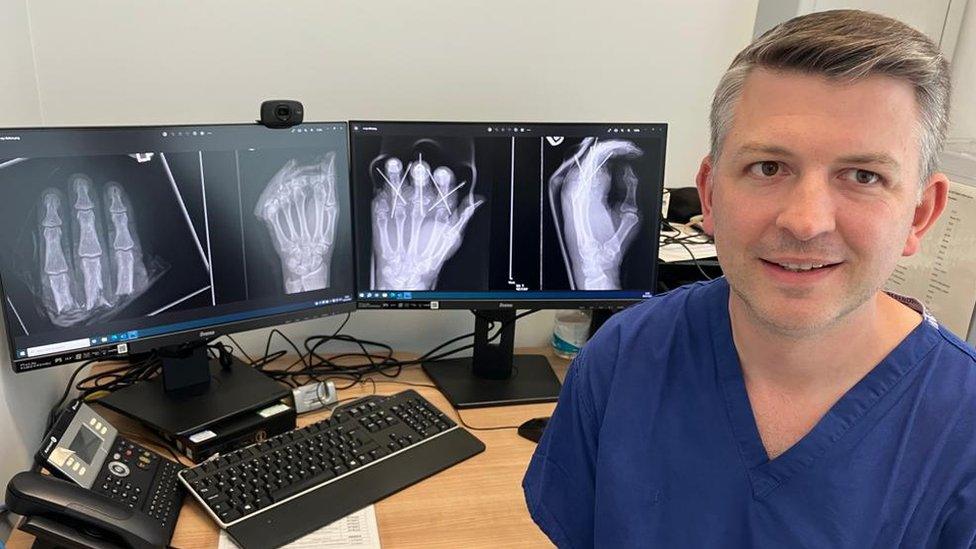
(477, 503)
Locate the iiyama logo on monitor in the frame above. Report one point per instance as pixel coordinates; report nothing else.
(208, 333)
(506, 305)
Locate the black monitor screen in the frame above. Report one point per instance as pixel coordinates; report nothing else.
(115, 240)
(477, 215)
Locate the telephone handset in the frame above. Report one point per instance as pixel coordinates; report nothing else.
(110, 491)
(81, 513)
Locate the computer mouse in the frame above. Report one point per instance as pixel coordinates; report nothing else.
(533, 428)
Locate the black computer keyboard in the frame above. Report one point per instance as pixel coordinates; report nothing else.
(274, 492)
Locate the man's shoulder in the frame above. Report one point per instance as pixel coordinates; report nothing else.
(691, 303)
(948, 374)
(639, 345)
(954, 361)
(963, 351)
(650, 328)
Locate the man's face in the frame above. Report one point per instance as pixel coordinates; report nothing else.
(814, 196)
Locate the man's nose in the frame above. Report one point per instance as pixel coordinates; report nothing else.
(808, 210)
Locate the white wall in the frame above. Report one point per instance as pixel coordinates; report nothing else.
(18, 87)
(964, 78)
(182, 61)
(22, 399)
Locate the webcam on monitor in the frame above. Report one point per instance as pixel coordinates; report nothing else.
(281, 113)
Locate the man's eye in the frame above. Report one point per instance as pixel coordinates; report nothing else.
(767, 168)
(862, 177)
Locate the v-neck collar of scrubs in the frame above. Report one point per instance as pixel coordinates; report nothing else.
(766, 475)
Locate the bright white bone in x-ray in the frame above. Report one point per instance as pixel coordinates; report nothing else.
(594, 235)
(299, 208)
(86, 269)
(418, 222)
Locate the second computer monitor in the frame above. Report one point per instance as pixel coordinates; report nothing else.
(477, 215)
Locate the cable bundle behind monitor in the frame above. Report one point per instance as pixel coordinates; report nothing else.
(315, 365)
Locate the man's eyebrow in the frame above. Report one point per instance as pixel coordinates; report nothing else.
(871, 158)
(762, 148)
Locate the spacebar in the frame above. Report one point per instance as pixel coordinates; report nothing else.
(285, 522)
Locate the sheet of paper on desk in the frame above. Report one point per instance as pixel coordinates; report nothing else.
(693, 241)
(941, 274)
(676, 252)
(356, 531)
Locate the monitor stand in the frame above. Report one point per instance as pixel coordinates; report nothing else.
(494, 375)
(194, 391)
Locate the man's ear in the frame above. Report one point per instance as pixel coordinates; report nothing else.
(705, 186)
(933, 201)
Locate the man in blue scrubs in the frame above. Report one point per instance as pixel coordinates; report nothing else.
(792, 403)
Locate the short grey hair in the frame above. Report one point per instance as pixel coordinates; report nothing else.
(847, 45)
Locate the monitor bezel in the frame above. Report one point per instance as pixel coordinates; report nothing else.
(141, 345)
(590, 302)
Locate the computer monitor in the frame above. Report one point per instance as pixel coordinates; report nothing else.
(124, 240)
(498, 216)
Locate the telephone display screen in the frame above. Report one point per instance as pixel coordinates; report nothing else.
(85, 444)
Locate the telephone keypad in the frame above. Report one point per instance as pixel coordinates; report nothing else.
(142, 480)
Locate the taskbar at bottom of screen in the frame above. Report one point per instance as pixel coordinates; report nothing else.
(527, 303)
(119, 350)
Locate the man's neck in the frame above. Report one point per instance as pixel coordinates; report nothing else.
(827, 362)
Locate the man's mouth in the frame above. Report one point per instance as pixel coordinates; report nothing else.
(801, 266)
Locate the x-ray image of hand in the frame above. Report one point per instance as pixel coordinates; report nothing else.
(90, 257)
(300, 210)
(419, 216)
(595, 233)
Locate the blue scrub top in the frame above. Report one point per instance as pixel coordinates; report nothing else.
(654, 444)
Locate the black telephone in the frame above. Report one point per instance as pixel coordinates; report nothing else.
(104, 490)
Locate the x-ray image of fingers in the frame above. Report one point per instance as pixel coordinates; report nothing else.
(89, 239)
(90, 259)
(593, 198)
(299, 208)
(419, 213)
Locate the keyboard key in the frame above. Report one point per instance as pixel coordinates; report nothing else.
(229, 515)
(294, 488)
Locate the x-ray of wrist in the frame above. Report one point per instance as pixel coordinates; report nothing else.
(420, 210)
(300, 210)
(593, 197)
(90, 257)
